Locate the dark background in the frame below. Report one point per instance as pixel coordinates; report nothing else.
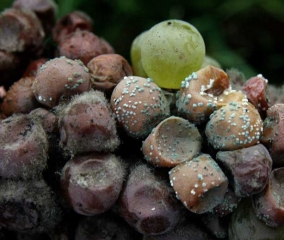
(244, 34)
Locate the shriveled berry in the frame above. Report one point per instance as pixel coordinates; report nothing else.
(204, 91)
(20, 98)
(268, 203)
(20, 30)
(234, 126)
(47, 118)
(107, 70)
(92, 183)
(248, 169)
(86, 124)
(171, 142)
(28, 206)
(255, 89)
(44, 9)
(199, 184)
(273, 133)
(139, 105)
(147, 203)
(23, 147)
(70, 23)
(60, 79)
(83, 45)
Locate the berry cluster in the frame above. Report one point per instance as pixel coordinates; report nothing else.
(169, 147)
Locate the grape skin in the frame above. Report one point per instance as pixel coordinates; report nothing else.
(170, 51)
(135, 55)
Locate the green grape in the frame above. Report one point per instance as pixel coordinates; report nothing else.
(135, 56)
(170, 51)
(210, 61)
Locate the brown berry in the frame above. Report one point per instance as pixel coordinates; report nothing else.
(20, 98)
(268, 203)
(70, 23)
(107, 70)
(92, 183)
(44, 9)
(147, 202)
(139, 105)
(83, 45)
(59, 79)
(48, 119)
(23, 147)
(86, 124)
(248, 169)
(203, 92)
(21, 31)
(256, 91)
(273, 133)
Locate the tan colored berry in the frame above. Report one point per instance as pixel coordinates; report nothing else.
(172, 141)
(234, 126)
(107, 70)
(200, 184)
(139, 105)
(203, 92)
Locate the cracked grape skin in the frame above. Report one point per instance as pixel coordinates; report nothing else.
(170, 51)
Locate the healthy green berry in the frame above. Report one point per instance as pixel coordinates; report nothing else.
(170, 51)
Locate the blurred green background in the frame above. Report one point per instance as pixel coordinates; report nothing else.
(244, 34)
